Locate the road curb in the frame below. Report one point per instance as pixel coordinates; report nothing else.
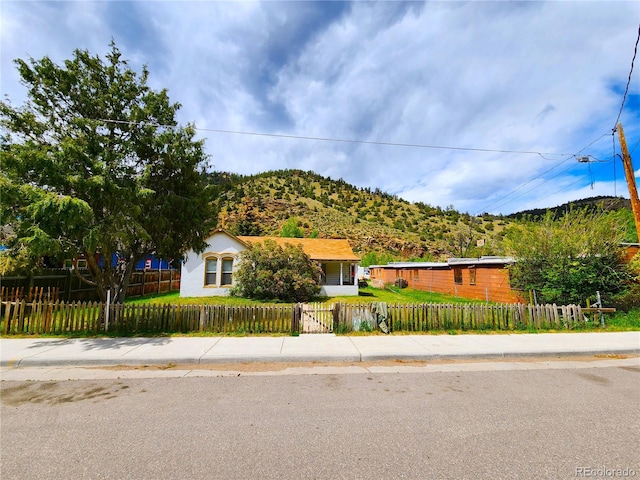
(372, 357)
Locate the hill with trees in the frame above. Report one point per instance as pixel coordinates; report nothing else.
(592, 204)
(375, 222)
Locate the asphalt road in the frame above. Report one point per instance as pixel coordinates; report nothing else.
(531, 424)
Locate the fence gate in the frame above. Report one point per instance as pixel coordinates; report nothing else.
(316, 318)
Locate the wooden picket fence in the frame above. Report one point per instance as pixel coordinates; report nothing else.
(56, 318)
(478, 316)
(33, 294)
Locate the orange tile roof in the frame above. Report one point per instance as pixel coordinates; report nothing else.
(316, 248)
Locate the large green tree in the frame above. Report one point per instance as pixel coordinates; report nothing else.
(94, 164)
(268, 271)
(568, 259)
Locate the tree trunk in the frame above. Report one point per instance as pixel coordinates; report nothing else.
(109, 277)
(122, 277)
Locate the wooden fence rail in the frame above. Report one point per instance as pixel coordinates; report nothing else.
(59, 317)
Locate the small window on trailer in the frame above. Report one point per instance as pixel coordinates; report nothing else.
(457, 276)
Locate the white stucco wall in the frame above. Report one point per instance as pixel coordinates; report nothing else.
(192, 272)
(192, 282)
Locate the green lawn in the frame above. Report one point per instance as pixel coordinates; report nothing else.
(396, 295)
(367, 295)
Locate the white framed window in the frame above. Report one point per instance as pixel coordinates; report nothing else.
(227, 271)
(211, 271)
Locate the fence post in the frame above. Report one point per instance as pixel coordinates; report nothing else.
(295, 319)
(67, 286)
(106, 313)
(144, 280)
(7, 315)
(599, 302)
(336, 317)
(202, 312)
(30, 287)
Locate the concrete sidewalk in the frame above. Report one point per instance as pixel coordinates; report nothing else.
(47, 352)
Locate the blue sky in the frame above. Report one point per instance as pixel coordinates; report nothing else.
(543, 77)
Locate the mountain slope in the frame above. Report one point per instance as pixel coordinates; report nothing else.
(373, 221)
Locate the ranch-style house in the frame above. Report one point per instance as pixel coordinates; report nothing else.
(211, 273)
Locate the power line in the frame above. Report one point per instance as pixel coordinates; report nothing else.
(500, 200)
(343, 140)
(530, 204)
(624, 98)
(393, 144)
(626, 90)
(615, 178)
(389, 144)
(536, 186)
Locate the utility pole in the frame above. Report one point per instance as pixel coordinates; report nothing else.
(631, 181)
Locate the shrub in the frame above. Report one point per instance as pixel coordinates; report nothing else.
(570, 258)
(268, 271)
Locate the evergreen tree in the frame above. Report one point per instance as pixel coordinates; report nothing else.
(94, 164)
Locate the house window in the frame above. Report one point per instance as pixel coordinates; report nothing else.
(472, 275)
(457, 276)
(210, 271)
(416, 275)
(227, 271)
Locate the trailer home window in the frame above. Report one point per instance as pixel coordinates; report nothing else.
(457, 276)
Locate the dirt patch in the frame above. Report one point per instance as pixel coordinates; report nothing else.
(262, 366)
(55, 393)
(280, 366)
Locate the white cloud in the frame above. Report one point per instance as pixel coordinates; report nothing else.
(535, 76)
